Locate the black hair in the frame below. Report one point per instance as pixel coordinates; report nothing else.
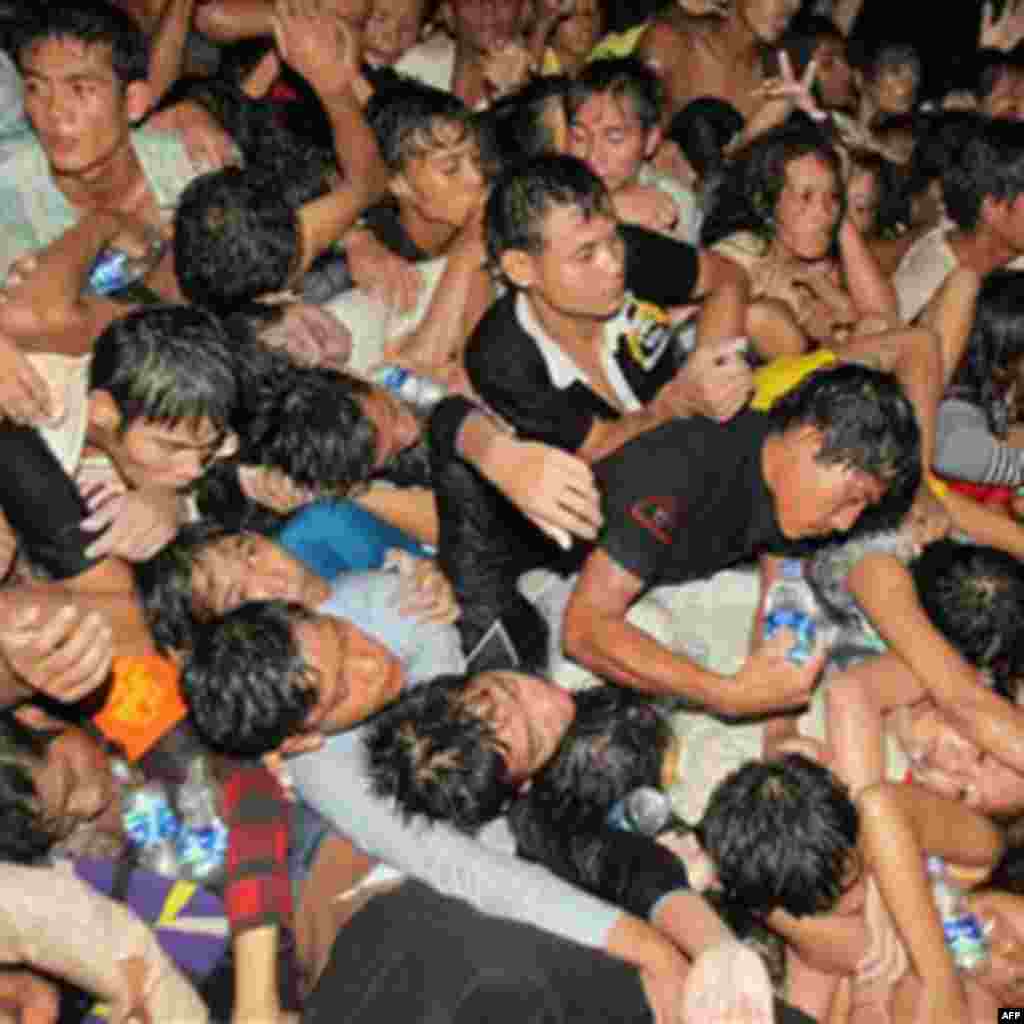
(865, 420)
(165, 584)
(167, 363)
(888, 56)
(702, 130)
(994, 348)
(748, 194)
(617, 742)
(25, 835)
(803, 37)
(236, 238)
(513, 128)
(974, 596)
(523, 195)
(438, 758)
(247, 685)
(93, 23)
(406, 118)
(782, 834)
(624, 78)
(990, 166)
(310, 425)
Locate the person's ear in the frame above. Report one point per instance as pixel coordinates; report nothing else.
(517, 266)
(103, 411)
(805, 435)
(993, 210)
(138, 98)
(301, 743)
(398, 185)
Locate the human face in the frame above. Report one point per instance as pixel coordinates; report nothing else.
(862, 200)
(1002, 101)
(78, 107)
(814, 499)
(808, 208)
(486, 25)
(768, 19)
(391, 29)
(443, 184)
(579, 272)
(155, 453)
(1006, 216)
(529, 717)
(578, 33)
(607, 135)
(895, 89)
(834, 76)
(248, 567)
(396, 426)
(75, 783)
(947, 762)
(355, 675)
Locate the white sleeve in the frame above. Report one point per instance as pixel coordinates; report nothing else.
(333, 781)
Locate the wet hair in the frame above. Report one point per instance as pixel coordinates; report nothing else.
(974, 596)
(93, 23)
(865, 420)
(623, 78)
(782, 835)
(310, 425)
(24, 835)
(990, 165)
(523, 195)
(702, 130)
(994, 347)
(748, 194)
(246, 683)
(165, 584)
(514, 129)
(438, 758)
(407, 118)
(236, 237)
(617, 742)
(171, 364)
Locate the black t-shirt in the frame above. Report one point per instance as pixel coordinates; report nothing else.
(509, 371)
(688, 498)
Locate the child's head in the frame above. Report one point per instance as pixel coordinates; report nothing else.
(782, 834)
(392, 28)
(580, 30)
(528, 122)
(614, 109)
(429, 142)
(236, 237)
(865, 181)
(162, 394)
(892, 78)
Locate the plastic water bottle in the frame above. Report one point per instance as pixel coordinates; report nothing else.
(791, 604)
(645, 810)
(150, 824)
(965, 936)
(421, 392)
(202, 840)
(114, 269)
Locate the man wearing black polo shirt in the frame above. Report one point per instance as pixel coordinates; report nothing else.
(582, 353)
(692, 497)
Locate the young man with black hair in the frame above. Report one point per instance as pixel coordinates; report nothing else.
(691, 497)
(982, 192)
(614, 109)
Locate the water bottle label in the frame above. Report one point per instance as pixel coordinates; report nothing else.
(202, 850)
(618, 817)
(149, 820)
(965, 940)
(800, 623)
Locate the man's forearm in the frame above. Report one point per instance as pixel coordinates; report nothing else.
(167, 47)
(228, 21)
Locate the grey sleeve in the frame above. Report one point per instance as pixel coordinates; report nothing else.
(966, 449)
(333, 781)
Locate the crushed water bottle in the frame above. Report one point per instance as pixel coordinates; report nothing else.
(151, 826)
(645, 810)
(791, 604)
(421, 392)
(202, 840)
(965, 937)
(115, 269)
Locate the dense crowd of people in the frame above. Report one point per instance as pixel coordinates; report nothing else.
(432, 429)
